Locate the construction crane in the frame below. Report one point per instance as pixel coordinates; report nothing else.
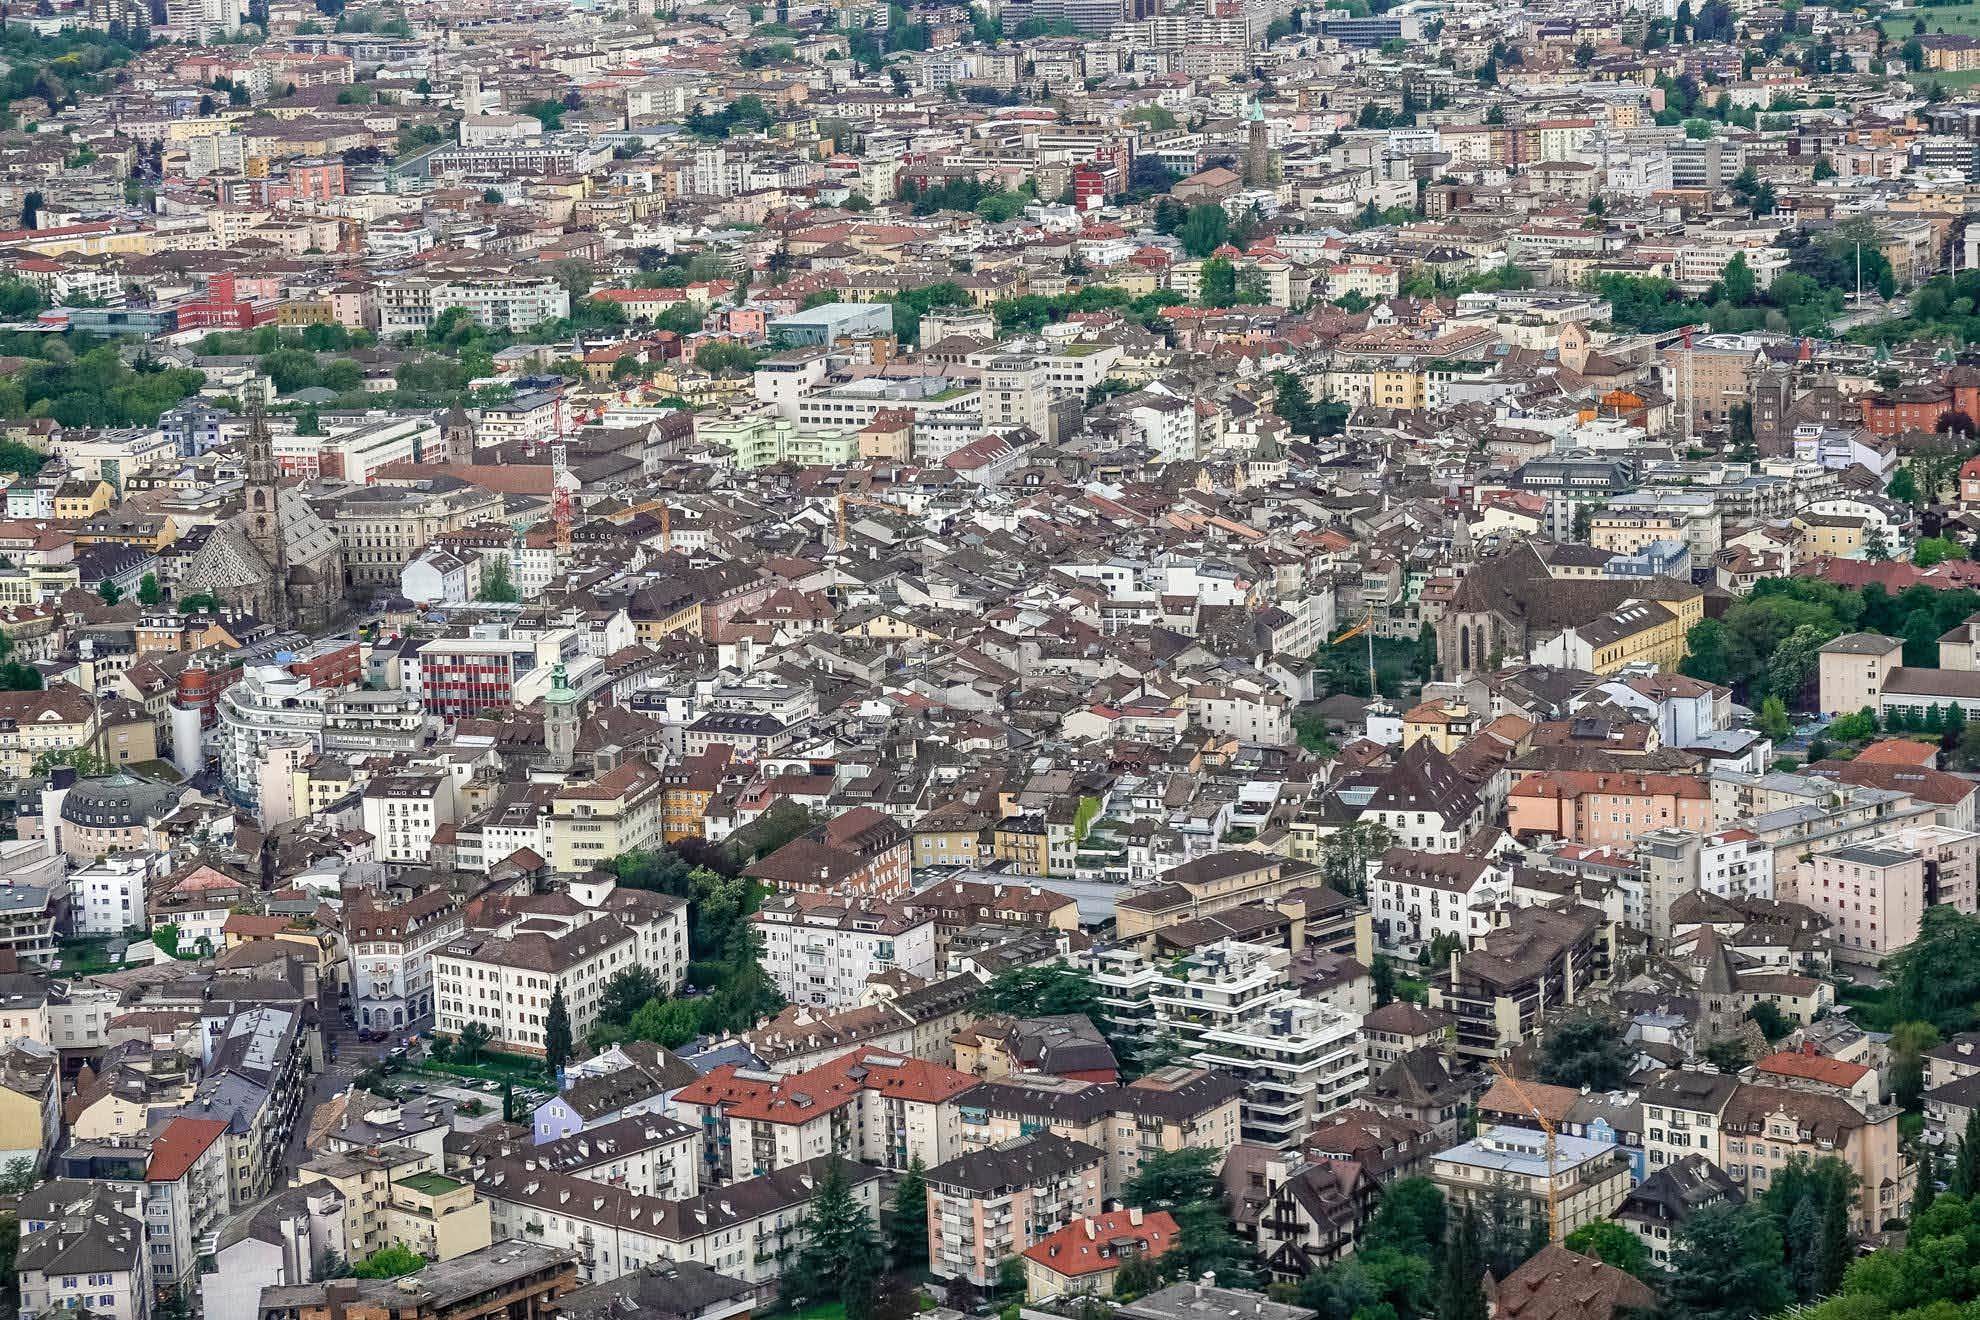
(1546, 1126)
(865, 500)
(1360, 629)
(560, 498)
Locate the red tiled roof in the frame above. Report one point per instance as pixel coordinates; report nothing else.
(179, 1145)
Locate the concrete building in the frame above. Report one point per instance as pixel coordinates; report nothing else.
(1589, 1178)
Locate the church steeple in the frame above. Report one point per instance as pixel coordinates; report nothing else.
(264, 514)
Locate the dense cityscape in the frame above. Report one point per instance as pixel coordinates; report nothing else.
(1040, 659)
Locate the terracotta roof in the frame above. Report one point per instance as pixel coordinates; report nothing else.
(179, 1145)
(1100, 1243)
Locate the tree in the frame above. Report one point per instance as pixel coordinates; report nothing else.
(1136, 1276)
(389, 1263)
(1205, 229)
(496, 586)
(1908, 1044)
(907, 1226)
(1932, 550)
(149, 592)
(841, 1257)
(1218, 284)
(1383, 975)
(1774, 720)
(110, 591)
(1460, 1290)
(1207, 1244)
(1726, 1264)
(1737, 282)
(1172, 1179)
(1903, 486)
(1586, 1050)
(1833, 1248)
(19, 1177)
(473, 1040)
(1610, 1242)
(1411, 1217)
(1772, 1022)
(557, 1044)
(1965, 1177)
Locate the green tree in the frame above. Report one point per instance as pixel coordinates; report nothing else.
(841, 1257)
(557, 1042)
(1737, 282)
(388, 1263)
(1964, 1180)
(1932, 550)
(1169, 1180)
(20, 1177)
(1586, 1050)
(110, 591)
(1903, 486)
(496, 586)
(1460, 1278)
(1411, 1217)
(1608, 1241)
(1136, 1277)
(149, 592)
(1774, 720)
(473, 1039)
(1383, 977)
(1908, 1044)
(1218, 286)
(907, 1227)
(1726, 1264)
(1204, 230)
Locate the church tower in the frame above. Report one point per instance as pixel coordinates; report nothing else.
(560, 723)
(457, 435)
(1257, 150)
(264, 515)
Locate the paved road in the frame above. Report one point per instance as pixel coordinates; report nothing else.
(345, 1056)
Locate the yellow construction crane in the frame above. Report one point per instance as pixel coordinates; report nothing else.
(1546, 1126)
(1367, 622)
(866, 501)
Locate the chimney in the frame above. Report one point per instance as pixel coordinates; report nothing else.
(1134, 1216)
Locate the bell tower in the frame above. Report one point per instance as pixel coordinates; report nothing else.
(457, 436)
(560, 723)
(264, 513)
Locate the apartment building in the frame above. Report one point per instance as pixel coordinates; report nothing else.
(821, 949)
(1417, 897)
(82, 1248)
(391, 954)
(1606, 809)
(1876, 891)
(1501, 990)
(996, 1202)
(384, 528)
(1753, 1130)
(496, 302)
(1582, 1180)
(1232, 1007)
(1170, 1109)
(402, 813)
(867, 1105)
(1730, 864)
(747, 1230)
(396, 1195)
(618, 812)
(505, 978)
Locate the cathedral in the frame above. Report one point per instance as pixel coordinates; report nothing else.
(277, 560)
